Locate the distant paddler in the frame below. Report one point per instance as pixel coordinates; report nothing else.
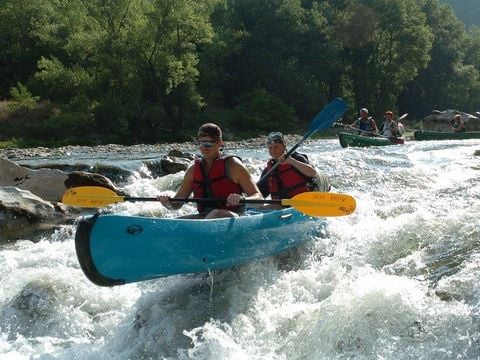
(365, 124)
(392, 129)
(457, 124)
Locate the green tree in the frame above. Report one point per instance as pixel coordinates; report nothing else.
(466, 10)
(136, 61)
(259, 112)
(441, 84)
(282, 47)
(387, 43)
(23, 26)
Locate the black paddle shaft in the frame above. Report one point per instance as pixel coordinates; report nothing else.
(206, 200)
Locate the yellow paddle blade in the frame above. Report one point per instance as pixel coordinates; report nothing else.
(322, 203)
(90, 197)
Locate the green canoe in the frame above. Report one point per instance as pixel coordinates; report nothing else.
(347, 139)
(437, 135)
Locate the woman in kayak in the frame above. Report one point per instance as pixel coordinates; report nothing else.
(293, 176)
(215, 175)
(392, 129)
(458, 125)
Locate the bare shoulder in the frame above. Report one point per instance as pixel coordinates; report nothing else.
(235, 161)
(189, 172)
(238, 170)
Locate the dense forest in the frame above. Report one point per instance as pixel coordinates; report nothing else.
(466, 10)
(132, 71)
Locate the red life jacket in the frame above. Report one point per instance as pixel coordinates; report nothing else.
(286, 181)
(215, 184)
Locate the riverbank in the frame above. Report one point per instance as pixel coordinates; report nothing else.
(15, 154)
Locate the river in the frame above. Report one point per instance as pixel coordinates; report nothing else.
(398, 279)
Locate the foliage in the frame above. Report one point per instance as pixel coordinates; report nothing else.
(447, 82)
(260, 112)
(380, 65)
(128, 71)
(22, 98)
(466, 10)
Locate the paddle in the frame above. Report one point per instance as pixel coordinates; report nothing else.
(323, 120)
(357, 129)
(309, 203)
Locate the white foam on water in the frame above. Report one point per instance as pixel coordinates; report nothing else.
(398, 279)
(48, 304)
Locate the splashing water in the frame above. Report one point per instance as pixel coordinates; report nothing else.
(398, 279)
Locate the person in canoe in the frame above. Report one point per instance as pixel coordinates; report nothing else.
(365, 124)
(392, 129)
(457, 124)
(293, 176)
(215, 175)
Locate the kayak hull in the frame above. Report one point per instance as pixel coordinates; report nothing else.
(437, 135)
(119, 249)
(348, 139)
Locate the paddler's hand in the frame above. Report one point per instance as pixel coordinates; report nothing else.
(165, 200)
(234, 199)
(281, 158)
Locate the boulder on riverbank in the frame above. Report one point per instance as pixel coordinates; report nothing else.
(24, 215)
(82, 178)
(45, 183)
(440, 120)
(48, 184)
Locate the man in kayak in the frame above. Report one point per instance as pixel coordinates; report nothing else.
(365, 124)
(215, 175)
(458, 125)
(293, 176)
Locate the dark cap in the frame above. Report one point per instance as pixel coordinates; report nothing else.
(210, 129)
(275, 137)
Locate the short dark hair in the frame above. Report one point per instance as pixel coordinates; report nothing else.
(210, 129)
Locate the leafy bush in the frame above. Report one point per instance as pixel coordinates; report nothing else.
(259, 111)
(22, 98)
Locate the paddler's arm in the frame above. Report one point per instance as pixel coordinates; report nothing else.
(240, 175)
(373, 124)
(305, 168)
(184, 191)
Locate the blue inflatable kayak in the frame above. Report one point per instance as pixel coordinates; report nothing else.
(120, 249)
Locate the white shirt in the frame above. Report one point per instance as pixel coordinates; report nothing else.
(386, 128)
